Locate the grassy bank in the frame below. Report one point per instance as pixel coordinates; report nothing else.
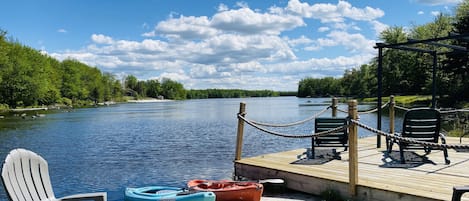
(414, 100)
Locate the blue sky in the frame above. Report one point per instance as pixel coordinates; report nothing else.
(263, 44)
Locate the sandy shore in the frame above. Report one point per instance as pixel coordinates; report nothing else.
(149, 101)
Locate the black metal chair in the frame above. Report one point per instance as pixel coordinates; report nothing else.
(458, 191)
(336, 139)
(421, 124)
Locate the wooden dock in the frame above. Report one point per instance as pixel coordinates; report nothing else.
(380, 177)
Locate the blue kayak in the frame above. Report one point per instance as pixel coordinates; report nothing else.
(164, 193)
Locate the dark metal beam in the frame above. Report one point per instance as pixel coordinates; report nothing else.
(454, 47)
(414, 49)
(449, 37)
(434, 43)
(464, 38)
(402, 47)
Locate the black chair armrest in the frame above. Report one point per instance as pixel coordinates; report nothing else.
(458, 191)
(443, 138)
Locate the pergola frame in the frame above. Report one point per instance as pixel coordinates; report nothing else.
(406, 47)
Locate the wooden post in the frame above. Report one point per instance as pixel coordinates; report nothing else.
(239, 138)
(334, 106)
(391, 118)
(353, 148)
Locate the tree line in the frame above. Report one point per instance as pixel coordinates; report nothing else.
(168, 88)
(173, 90)
(229, 93)
(406, 72)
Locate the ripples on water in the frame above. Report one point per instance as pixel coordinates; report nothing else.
(142, 144)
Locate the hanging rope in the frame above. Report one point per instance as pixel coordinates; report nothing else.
(441, 111)
(366, 111)
(373, 110)
(258, 125)
(454, 111)
(343, 111)
(291, 124)
(401, 108)
(240, 116)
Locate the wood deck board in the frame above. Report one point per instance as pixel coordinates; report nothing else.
(428, 181)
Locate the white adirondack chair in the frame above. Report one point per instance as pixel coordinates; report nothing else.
(25, 176)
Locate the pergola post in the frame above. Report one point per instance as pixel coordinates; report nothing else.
(380, 88)
(435, 63)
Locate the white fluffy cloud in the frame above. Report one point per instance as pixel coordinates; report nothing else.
(378, 26)
(436, 13)
(101, 39)
(327, 12)
(247, 21)
(240, 47)
(186, 27)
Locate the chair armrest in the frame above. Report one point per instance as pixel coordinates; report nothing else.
(101, 196)
(443, 138)
(458, 191)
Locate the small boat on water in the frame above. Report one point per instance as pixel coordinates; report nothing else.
(226, 190)
(164, 193)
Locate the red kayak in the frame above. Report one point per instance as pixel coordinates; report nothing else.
(226, 190)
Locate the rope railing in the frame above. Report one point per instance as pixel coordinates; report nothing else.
(260, 126)
(294, 123)
(373, 110)
(409, 140)
(441, 111)
(257, 126)
(454, 111)
(352, 125)
(341, 110)
(401, 108)
(323, 133)
(367, 111)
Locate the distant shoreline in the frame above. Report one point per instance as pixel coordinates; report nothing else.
(28, 109)
(149, 101)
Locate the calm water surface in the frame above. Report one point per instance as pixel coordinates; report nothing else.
(143, 144)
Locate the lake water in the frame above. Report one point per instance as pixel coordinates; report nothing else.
(164, 143)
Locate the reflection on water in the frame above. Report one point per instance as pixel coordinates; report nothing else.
(167, 143)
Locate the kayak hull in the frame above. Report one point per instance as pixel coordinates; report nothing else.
(226, 190)
(163, 193)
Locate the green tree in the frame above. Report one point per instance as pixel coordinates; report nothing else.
(456, 66)
(359, 82)
(393, 60)
(172, 89)
(131, 82)
(153, 88)
(20, 78)
(72, 86)
(52, 82)
(141, 88)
